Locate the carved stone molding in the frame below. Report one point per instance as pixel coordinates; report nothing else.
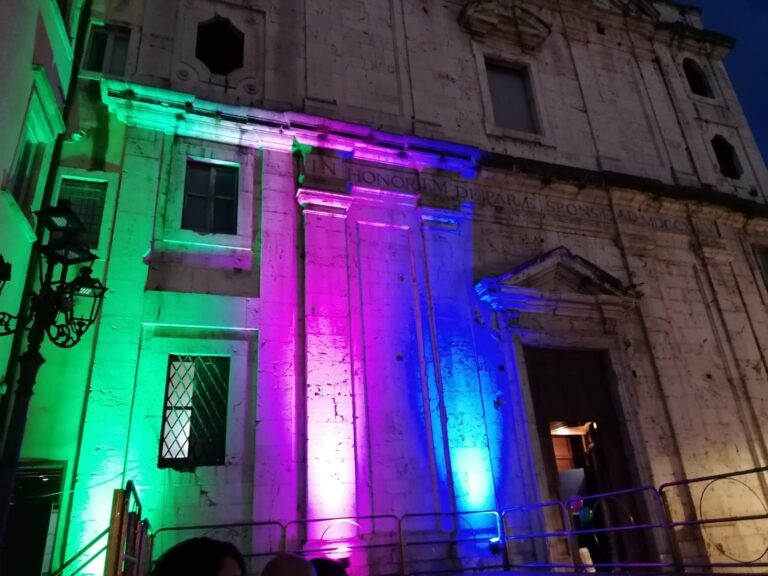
(508, 18)
(560, 283)
(637, 8)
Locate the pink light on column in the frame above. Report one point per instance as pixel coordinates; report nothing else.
(330, 406)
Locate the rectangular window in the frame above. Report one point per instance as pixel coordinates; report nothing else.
(86, 198)
(26, 172)
(761, 255)
(210, 198)
(107, 50)
(195, 413)
(511, 97)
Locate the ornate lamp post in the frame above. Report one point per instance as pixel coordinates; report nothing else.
(64, 309)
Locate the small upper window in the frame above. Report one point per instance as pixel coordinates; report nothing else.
(697, 79)
(210, 198)
(86, 198)
(220, 45)
(730, 167)
(107, 50)
(194, 430)
(511, 96)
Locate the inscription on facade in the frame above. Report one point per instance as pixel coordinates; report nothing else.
(328, 168)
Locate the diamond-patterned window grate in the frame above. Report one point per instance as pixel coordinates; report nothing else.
(195, 413)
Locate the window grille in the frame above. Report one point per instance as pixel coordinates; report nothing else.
(210, 198)
(86, 198)
(195, 412)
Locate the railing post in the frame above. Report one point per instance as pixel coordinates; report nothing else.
(115, 542)
(401, 547)
(503, 540)
(677, 557)
(572, 545)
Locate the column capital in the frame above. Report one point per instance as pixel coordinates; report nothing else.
(320, 201)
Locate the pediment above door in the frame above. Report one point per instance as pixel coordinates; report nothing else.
(558, 282)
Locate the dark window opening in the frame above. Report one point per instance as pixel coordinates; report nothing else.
(761, 255)
(86, 198)
(26, 172)
(511, 97)
(730, 167)
(194, 431)
(107, 50)
(220, 45)
(210, 198)
(697, 79)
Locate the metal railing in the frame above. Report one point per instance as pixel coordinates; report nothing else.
(683, 527)
(127, 546)
(732, 521)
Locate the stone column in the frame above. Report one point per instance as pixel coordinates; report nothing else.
(329, 392)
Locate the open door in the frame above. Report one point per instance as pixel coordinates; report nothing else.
(32, 522)
(585, 450)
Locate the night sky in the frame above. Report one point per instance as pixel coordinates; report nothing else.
(747, 20)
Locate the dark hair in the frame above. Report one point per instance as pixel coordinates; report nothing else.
(328, 567)
(197, 557)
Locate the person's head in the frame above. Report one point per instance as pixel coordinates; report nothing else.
(201, 557)
(328, 567)
(288, 565)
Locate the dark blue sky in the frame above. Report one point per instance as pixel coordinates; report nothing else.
(747, 20)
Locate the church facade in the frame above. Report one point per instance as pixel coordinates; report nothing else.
(393, 258)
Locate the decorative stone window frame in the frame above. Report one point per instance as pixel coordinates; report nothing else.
(160, 342)
(110, 200)
(186, 149)
(717, 94)
(43, 124)
(131, 60)
(484, 54)
(191, 75)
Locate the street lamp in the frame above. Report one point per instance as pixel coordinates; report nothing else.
(63, 309)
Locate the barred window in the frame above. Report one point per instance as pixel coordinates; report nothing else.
(210, 198)
(86, 198)
(195, 413)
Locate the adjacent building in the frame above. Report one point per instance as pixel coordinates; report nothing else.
(387, 257)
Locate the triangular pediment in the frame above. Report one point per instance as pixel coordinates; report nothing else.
(514, 20)
(636, 8)
(556, 278)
